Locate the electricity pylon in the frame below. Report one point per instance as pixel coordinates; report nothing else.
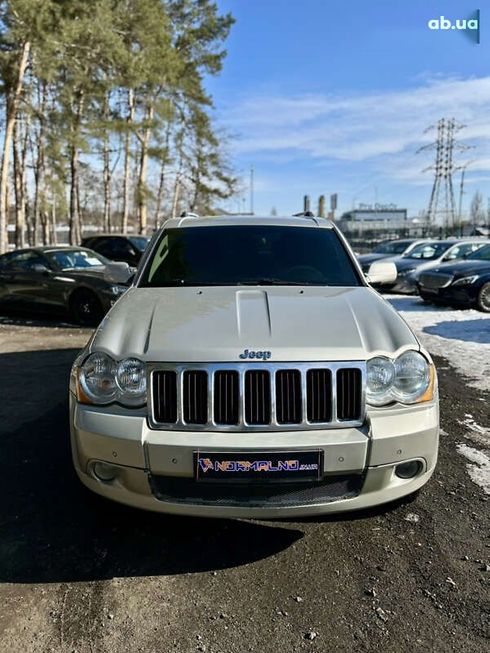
(442, 207)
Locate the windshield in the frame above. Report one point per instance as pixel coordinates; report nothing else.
(393, 247)
(249, 255)
(429, 251)
(69, 259)
(482, 254)
(140, 242)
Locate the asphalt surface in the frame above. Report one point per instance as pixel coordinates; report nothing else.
(78, 574)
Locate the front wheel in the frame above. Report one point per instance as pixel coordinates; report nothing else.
(483, 299)
(86, 308)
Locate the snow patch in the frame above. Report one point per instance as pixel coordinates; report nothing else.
(478, 467)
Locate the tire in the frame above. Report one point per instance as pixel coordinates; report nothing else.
(85, 308)
(483, 299)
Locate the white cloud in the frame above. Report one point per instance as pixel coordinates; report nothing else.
(383, 129)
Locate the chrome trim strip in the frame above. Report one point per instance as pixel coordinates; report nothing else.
(241, 368)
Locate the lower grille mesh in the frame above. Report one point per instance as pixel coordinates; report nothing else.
(188, 491)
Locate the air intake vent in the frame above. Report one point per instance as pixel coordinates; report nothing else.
(226, 397)
(257, 397)
(195, 398)
(319, 395)
(349, 395)
(165, 394)
(289, 409)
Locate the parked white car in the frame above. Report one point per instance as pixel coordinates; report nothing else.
(251, 371)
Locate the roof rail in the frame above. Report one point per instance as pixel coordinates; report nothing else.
(185, 215)
(306, 214)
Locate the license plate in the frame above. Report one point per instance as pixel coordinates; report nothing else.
(258, 466)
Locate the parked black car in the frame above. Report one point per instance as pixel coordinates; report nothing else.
(118, 247)
(463, 283)
(72, 280)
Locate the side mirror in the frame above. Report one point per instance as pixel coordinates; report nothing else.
(119, 272)
(40, 268)
(382, 272)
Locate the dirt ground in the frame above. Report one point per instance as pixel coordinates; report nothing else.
(79, 574)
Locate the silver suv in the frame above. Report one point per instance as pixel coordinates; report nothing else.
(251, 371)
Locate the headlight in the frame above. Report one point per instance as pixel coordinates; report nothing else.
(405, 273)
(118, 290)
(102, 381)
(412, 376)
(131, 380)
(98, 378)
(465, 281)
(380, 378)
(408, 379)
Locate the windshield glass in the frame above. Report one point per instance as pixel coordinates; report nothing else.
(394, 247)
(482, 254)
(428, 251)
(140, 242)
(69, 259)
(249, 255)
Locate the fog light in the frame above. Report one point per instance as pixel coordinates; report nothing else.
(408, 470)
(104, 472)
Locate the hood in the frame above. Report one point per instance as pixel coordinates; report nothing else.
(216, 324)
(369, 258)
(404, 263)
(464, 268)
(102, 273)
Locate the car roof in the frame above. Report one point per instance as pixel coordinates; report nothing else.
(247, 221)
(114, 235)
(43, 249)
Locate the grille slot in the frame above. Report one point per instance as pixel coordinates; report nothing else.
(195, 397)
(165, 396)
(319, 395)
(226, 397)
(257, 397)
(349, 395)
(289, 403)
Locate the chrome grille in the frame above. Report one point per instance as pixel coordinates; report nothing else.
(434, 281)
(257, 396)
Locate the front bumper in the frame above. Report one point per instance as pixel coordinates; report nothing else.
(154, 469)
(461, 295)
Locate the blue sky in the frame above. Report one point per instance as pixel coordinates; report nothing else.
(325, 96)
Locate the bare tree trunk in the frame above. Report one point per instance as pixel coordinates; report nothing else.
(11, 108)
(74, 224)
(142, 189)
(161, 184)
(107, 176)
(54, 237)
(177, 184)
(127, 162)
(19, 183)
(39, 209)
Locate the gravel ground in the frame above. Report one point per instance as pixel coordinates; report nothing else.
(82, 575)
